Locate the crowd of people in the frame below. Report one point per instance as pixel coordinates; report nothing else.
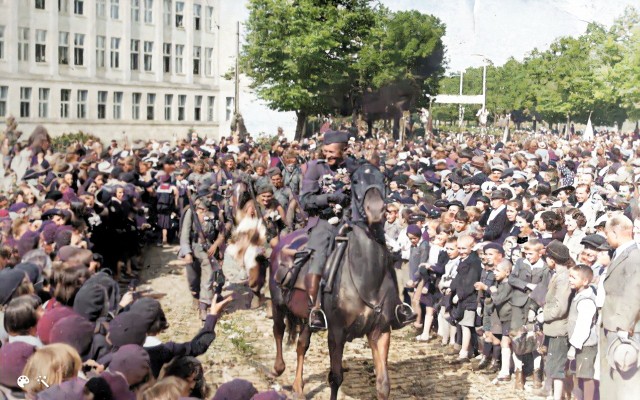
(518, 257)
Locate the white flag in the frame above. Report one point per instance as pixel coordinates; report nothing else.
(588, 131)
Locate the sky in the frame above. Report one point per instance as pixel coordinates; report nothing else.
(476, 30)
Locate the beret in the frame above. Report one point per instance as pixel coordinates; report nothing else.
(414, 230)
(558, 251)
(331, 137)
(13, 358)
(126, 328)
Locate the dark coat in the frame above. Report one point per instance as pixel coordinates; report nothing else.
(469, 272)
(495, 227)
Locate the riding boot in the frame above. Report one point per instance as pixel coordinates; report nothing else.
(317, 319)
(519, 378)
(537, 378)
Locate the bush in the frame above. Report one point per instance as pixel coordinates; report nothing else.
(61, 143)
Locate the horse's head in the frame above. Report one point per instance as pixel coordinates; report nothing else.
(374, 207)
(240, 195)
(368, 188)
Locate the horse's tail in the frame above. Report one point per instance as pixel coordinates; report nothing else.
(292, 327)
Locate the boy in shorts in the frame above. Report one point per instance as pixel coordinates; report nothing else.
(583, 335)
(500, 295)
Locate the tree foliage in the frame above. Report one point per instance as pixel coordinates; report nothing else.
(322, 56)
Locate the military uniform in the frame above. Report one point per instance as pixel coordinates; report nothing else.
(292, 177)
(200, 271)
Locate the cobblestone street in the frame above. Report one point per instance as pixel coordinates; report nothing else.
(244, 348)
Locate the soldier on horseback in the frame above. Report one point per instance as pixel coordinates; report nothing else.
(325, 195)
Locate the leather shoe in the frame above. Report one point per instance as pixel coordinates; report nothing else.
(460, 360)
(484, 363)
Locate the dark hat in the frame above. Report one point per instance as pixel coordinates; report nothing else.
(265, 188)
(414, 230)
(558, 251)
(567, 189)
(17, 207)
(13, 358)
(455, 203)
(441, 204)
(593, 241)
(76, 331)
(49, 231)
(604, 247)
(331, 137)
(494, 246)
(270, 395)
(92, 301)
(508, 172)
(133, 362)
(27, 242)
(478, 179)
(500, 194)
(466, 153)
(72, 389)
(418, 217)
(49, 319)
(33, 272)
(483, 199)
(118, 385)
(407, 201)
(126, 328)
(237, 389)
(149, 309)
(10, 280)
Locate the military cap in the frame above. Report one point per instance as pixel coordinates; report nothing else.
(331, 137)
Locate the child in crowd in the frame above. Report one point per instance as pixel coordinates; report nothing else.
(500, 296)
(445, 329)
(583, 334)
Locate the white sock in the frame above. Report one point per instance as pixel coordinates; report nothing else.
(506, 361)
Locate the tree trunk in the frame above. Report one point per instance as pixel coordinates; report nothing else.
(396, 127)
(302, 117)
(369, 127)
(535, 124)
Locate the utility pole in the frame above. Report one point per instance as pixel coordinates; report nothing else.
(484, 85)
(460, 107)
(236, 102)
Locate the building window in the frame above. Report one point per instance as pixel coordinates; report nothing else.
(166, 57)
(179, 52)
(40, 4)
(78, 49)
(208, 66)
(101, 8)
(117, 105)
(196, 60)
(1, 42)
(151, 102)
(65, 99)
(82, 104)
(229, 109)
(63, 48)
(168, 103)
(167, 13)
(211, 23)
(179, 14)
(182, 102)
(43, 103)
(115, 52)
(41, 45)
(135, 10)
(101, 44)
(148, 11)
(102, 104)
(197, 108)
(4, 93)
(78, 7)
(135, 105)
(63, 6)
(197, 14)
(23, 44)
(25, 102)
(148, 56)
(115, 9)
(210, 110)
(135, 54)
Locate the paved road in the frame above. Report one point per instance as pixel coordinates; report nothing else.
(244, 348)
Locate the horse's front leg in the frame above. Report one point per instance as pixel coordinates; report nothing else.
(303, 345)
(278, 334)
(336, 350)
(380, 352)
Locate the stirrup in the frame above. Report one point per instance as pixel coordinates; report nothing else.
(398, 307)
(324, 318)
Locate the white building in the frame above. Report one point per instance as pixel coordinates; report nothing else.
(150, 68)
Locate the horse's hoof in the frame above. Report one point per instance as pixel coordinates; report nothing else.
(278, 370)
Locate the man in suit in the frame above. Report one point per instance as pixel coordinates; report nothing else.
(497, 217)
(619, 378)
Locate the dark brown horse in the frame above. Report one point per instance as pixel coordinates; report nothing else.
(364, 294)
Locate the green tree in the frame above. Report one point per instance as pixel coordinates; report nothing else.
(299, 53)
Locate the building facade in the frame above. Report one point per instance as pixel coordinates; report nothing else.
(150, 68)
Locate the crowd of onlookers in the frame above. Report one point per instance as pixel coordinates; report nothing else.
(519, 256)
